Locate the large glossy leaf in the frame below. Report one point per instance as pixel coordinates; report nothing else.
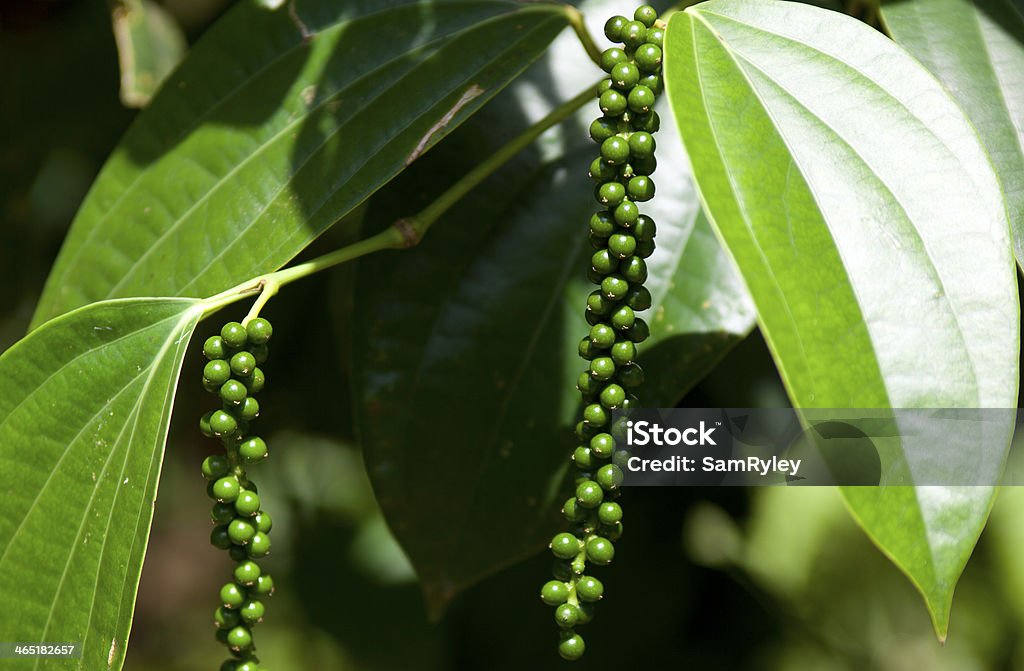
(870, 229)
(976, 47)
(277, 125)
(466, 348)
(84, 410)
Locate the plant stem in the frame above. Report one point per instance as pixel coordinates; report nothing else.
(482, 171)
(403, 233)
(580, 28)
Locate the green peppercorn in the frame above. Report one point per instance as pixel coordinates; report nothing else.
(239, 638)
(253, 449)
(642, 144)
(601, 171)
(219, 537)
(263, 522)
(249, 410)
(613, 396)
(582, 457)
(573, 512)
(614, 287)
(609, 512)
(602, 368)
(610, 193)
(640, 189)
(630, 376)
(621, 245)
(644, 230)
(241, 531)
(613, 28)
(233, 392)
(232, 596)
(215, 466)
(600, 551)
(234, 335)
(609, 477)
(647, 123)
(646, 15)
(222, 423)
(615, 150)
(624, 75)
(602, 129)
(654, 83)
(243, 364)
(247, 573)
(598, 304)
(565, 546)
(588, 588)
(586, 384)
(648, 57)
(644, 249)
(639, 332)
(571, 647)
(633, 34)
(623, 318)
(218, 371)
(602, 224)
(626, 213)
(595, 415)
(586, 349)
(252, 612)
(602, 445)
(567, 616)
(623, 353)
(259, 331)
(226, 489)
(602, 336)
(255, 382)
(214, 348)
(248, 503)
(222, 513)
(589, 494)
(634, 270)
(656, 36)
(613, 103)
(225, 618)
(554, 592)
(265, 585)
(259, 546)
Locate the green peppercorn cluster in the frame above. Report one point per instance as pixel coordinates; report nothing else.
(241, 526)
(623, 238)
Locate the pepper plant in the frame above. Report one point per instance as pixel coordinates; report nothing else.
(849, 180)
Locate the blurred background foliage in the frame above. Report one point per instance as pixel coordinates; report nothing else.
(708, 579)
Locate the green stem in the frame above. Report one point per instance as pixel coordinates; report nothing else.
(431, 213)
(580, 28)
(403, 233)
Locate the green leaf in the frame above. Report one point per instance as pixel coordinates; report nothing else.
(877, 252)
(277, 125)
(465, 349)
(149, 45)
(977, 50)
(84, 412)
